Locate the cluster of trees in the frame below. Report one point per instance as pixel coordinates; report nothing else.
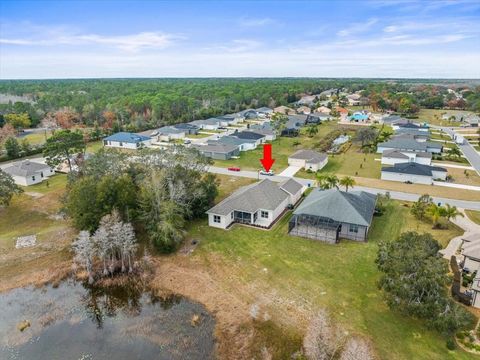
(415, 282)
(331, 181)
(424, 208)
(8, 188)
(324, 340)
(113, 243)
(157, 190)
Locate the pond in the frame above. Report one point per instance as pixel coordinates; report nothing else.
(74, 321)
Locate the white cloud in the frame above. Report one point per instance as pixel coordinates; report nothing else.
(357, 28)
(45, 36)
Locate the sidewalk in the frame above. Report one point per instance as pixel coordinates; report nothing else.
(457, 186)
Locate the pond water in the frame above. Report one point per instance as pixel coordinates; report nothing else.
(77, 322)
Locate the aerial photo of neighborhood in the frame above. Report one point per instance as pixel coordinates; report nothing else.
(240, 180)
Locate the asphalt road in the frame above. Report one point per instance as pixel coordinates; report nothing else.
(398, 195)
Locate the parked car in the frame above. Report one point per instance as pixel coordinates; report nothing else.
(186, 141)
(233, 169)
(267, 173)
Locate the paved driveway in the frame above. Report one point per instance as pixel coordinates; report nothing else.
(290, 171)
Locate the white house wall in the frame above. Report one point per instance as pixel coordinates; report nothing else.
(416, 179)
(472, 265)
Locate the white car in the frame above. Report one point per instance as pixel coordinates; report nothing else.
(267, 173)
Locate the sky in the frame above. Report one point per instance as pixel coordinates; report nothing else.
(105, 39)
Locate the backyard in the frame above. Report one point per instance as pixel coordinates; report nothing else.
(293, 277)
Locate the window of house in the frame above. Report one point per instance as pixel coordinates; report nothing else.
(41, 174)
(121, 143)
(216, 219)
(33, 178)
(264, 214)
(353, 228)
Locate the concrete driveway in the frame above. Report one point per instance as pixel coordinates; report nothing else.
(290, 171)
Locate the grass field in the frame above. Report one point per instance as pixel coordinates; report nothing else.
(434, 116)
(36, 138)
(341, 278)
(473, 215)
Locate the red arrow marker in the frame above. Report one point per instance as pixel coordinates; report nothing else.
(267, 160)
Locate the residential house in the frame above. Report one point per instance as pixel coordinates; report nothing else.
(393, 119)
(308, 100)
(304, 110)
(354, 99)
(189, 129)
(248, 114)
(419, 135)
(207, 124)
(392, 157)
(258, 204)
(284, 110)
(342, 112)
(126, 140)
(218, 150)
(250, 135)
(328, 93)
(471, 255)
(472, 120)
(296, 121)
(308, 159)
(328, 215)
(412, 172)
(323, 109)
(409, 144)
(168, 133)
(407, 124)
(243, 144)
(264, 112)
(264, 129)
(28, 172)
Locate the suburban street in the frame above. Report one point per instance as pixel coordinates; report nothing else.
(398, 195)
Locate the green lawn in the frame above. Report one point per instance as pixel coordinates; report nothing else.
(36, 138)
(434, 116)
(473, 215)
(340, 277)
(282, 148)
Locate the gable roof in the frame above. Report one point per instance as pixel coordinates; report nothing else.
(410, 125)
(413, 168)
(26, 168)
(232, 140)
(127, 137)
(262, 195)
(216, 147)
(310, 155)
(291, 186)
(170, 130)
(394, 154)
(248, 135)
(409, 143)
(264, 110)
(354, 207)
(186, 126)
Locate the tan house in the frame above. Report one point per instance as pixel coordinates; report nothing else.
(284, 110)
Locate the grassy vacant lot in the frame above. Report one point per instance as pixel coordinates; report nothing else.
(282, 148)
(434, 116)
(294, 277)
(36, 138)
(33, 213)
(473, 215)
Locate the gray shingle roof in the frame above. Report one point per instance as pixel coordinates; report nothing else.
(310, 155)
(231, 140)
(291, 186)
(394, 154)
(265, 194)
(354, 207)
(26, 168)
(413, 168)
(248, 135)
(166, 130)
(409, 143)
(127, 137)
(216, 147)
(472, 250)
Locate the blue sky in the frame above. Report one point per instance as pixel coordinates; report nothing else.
(378, 38)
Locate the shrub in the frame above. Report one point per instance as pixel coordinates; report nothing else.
(451, 344)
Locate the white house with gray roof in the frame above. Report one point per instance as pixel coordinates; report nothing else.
(392, 157)
(329, 215)
(308, 159)
(28, 172)
(412, 172)
(408, 143)
(217, 150)
(259, 204)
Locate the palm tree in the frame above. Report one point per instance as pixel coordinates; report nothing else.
(435, 213)
(347, 181)
(327, 181)
(312, 130)
(451, 212)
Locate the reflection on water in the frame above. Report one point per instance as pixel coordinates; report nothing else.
(77, 322)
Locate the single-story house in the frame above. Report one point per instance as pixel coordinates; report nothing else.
(418, 135)
(126, 140)
(328, 215)
(248, 114)
(476, 292)
(243, 144)
(207, 124)
(410, 144)
(407, 124)
(284, 110)
(258, 204)
(328, 93)
(229, 119)
(218, 150)
(392, 157)
(393, 119)
(266, 131)
(471, 255)
(308, 159)
(189, 129)
(296, 121)
(472, 120)
(307, 100)
(250, 135)
(264, 111)
(414, 173)
(324, 110)
(304, 110)
(168, 133)
(29, 172)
